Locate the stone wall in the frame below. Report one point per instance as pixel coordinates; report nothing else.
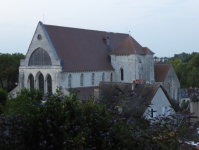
(10, 132)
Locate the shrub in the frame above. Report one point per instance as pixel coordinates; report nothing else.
(24, 98)
(63, 122)
(3, 97)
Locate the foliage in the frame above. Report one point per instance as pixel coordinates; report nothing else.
(9, 66)
(23, 99)
(3, 97)
(185, 104)
(187, 69)
(63, 122)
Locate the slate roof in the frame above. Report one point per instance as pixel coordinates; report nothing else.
(87, 50)
(145, 94)
(183, 94)
(131, 46)
(161, 71)
(193, 94)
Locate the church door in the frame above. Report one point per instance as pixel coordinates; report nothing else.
(49, 84)
(41, 82)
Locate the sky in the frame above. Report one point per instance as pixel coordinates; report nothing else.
(166, 27)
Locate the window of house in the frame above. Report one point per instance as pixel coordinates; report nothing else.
(40, 58)
(153, 113)
(82, 80)
(111, 77)
(41, 82)
(102, 76)
(49, 84)
(122, 74)
(69, 80)
(93, 79)
(31, 79)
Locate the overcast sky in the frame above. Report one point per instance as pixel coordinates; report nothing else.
(167, 27)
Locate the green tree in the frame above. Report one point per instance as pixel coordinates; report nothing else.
(9, 66)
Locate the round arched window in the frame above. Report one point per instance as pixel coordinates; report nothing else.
(39, 37)
(40, 58)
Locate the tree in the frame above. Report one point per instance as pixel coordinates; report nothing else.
(63, 122)
(9, 66)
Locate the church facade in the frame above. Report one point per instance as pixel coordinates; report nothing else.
(78, 58)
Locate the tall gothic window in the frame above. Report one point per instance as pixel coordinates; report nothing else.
(82, 80)
(111, 77)
(49, 84)
(41, 82)
(93, 79)
(122, 74)
(102, 76)
(40, 58)
(69, 80)
(31, 79)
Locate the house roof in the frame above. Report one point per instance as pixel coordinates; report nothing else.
(161, 72)
(83, 50)
(183, 94)
(131, 46)
(143, 97)
(193, 94)
(87, 50)
(85, 92)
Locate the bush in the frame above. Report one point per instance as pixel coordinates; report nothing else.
(3, 97)
(24, 98)
(63, 122)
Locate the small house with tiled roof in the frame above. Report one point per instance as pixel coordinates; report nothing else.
(79, 58)
(165, 75)
(139, 96)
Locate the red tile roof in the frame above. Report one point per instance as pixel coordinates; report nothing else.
(161, 72)
(87, 50)
(131, 46)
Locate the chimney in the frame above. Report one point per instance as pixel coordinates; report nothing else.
(107, 42)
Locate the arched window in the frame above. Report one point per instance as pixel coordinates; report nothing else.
(102, 76)
(69, 80)
(82, 80)
(40, 58)
(93, 79)
(41, 82)
(31, 80)
(111, 77)
(122, 74)
(49, 84)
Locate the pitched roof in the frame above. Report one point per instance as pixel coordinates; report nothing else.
(145, 94)
(161, 71)
(87, 50)
(183, 94)
(131, 46)
(85, 92)
(83, 50)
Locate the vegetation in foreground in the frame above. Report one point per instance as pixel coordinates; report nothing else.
(63, 122)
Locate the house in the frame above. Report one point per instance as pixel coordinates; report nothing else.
(143, 95)
(79, 58)
(165, 75)
(184, 97)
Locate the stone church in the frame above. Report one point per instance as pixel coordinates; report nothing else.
(79, 58)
